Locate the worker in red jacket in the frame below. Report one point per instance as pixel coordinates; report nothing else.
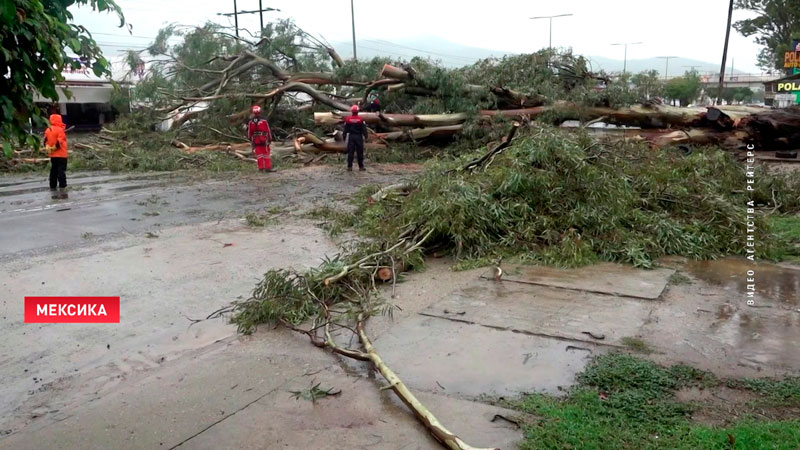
(260, 138)
(355, 133)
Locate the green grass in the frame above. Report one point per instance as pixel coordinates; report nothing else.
(775, 392)
(258, 220)
(678, 278)
(624, 402)
(787, 230)
(636, 344)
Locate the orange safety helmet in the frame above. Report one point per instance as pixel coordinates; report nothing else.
(256, 110)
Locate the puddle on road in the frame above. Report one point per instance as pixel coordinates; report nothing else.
(762, 336)
(774, 282)
(44, 188)
(134, 187)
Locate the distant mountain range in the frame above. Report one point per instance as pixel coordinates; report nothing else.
(451, 54)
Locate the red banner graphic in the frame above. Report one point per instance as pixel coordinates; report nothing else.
(71, 309)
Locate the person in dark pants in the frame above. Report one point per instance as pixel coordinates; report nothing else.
(355, 133)
(373, 106)
(55, 142)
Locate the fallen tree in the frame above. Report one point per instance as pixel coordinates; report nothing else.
(563, 199)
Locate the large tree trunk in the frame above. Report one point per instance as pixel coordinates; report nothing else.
(394, 120)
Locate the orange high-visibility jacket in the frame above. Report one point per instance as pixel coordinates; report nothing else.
(55, 137)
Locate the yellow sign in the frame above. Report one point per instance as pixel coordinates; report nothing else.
(789, 86)
(791, 60)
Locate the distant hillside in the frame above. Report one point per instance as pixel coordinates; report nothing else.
(451, 54)
(677, 66)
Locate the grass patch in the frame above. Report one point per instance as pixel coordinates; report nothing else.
(678, 278)
(775, 392)
(787, 231)
(636, 344)
(335, 220)
(624, 402)
(258, 220)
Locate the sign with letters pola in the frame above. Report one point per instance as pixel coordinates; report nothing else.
(789, 86)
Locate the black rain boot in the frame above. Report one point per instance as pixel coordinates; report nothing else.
(349, 169)
(62, 194)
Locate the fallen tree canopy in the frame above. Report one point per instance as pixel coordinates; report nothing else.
(567, 199)
(205, 86)
(537, 195)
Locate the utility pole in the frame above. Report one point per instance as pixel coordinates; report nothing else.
(550, 18)
(353, 22)
(625, 61)
(261, 17)
(724, 52)
(236, 18)
(236, 13)
(666, 68)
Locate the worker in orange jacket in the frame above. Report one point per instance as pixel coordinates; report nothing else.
(55, 142)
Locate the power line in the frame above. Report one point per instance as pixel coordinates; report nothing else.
(404, 55)
(383, 42)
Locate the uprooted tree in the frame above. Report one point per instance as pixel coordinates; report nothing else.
(203, 88)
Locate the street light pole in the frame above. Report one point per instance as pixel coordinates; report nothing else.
(550, 18)
(666, 68)
(353, 21)
(625, 61)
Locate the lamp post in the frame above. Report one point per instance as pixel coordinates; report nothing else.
(550, 18)
(625, 61)
(353, 22)
(666, 68)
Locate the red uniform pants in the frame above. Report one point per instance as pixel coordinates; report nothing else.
(262, 155)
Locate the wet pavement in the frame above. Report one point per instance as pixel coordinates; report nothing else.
(602, 278)
(773, 282)
(102, 204)
(158, 380)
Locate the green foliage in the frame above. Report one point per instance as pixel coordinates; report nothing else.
(623, 402)
(192, 66)
(774, 25)
(648, 84)
(564, 199)
(315, 393)
(737, 95)
(290, 297)
(685, 89)
(776, 392)
(257, 219)
(38, 39)
(678, 278)
(549, 72)
(636, 344)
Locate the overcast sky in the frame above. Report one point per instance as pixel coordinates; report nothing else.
(686, 28)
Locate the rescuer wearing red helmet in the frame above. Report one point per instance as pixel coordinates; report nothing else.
(355, 132)
(260, 138)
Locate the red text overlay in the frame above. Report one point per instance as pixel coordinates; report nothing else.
(71, 309)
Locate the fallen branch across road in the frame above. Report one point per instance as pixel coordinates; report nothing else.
(290, 298)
